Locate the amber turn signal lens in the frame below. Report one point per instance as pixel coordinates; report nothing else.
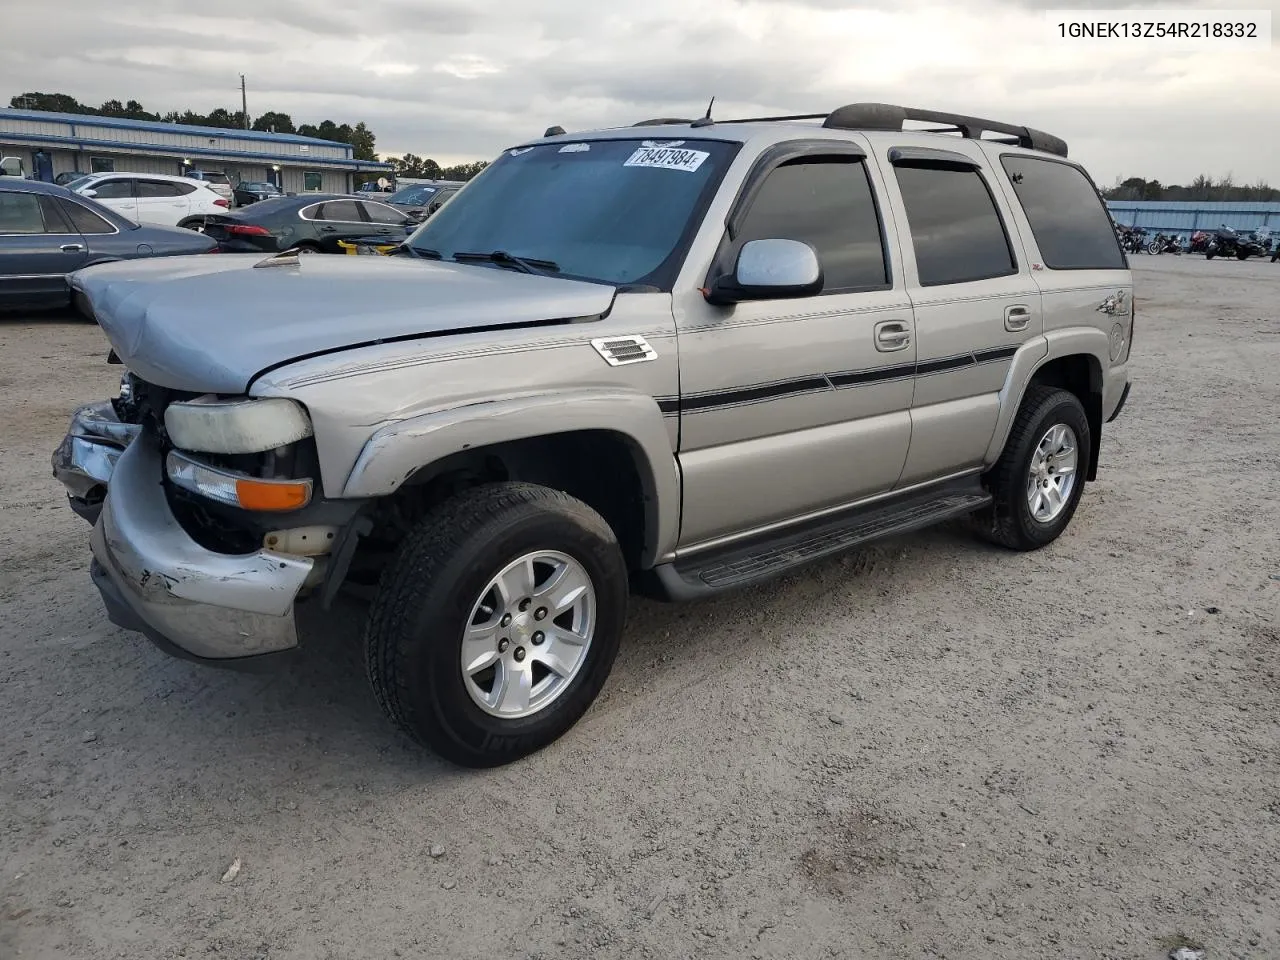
(256, 495)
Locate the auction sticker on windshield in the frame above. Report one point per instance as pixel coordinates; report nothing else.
(668, 158)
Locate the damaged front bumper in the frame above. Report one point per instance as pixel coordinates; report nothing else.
(153, 577)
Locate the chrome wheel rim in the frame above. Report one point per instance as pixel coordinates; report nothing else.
(528, 635)
(1052, 476)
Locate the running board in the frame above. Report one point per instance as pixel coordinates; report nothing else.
(742, 565)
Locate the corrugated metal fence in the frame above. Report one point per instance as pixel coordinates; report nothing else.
(1185, 218)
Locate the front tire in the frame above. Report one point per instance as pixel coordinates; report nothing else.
(496, 625)
(1039, 478)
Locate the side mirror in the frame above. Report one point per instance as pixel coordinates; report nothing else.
(769, 270)
(89, 193)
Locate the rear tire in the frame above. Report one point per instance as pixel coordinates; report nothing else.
(442, 588)
(1242, 254)
(193, 223)
(306, 248)
(1024, 477)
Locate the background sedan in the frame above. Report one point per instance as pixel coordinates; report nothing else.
(310, 224)
(421, 200)
(46, 232)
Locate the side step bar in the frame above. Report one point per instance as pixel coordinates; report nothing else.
(741, 565)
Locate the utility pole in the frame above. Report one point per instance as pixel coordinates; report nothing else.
(244, 103)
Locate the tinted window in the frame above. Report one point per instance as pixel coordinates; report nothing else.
(380, 213)
(112, 189)
(613, 211)
(827, 204)
(101, 165)
(84, 219)
(20, 213)
(344, 210)
(54, 221)
(157, 188)
(955, 228)
(1072, 228)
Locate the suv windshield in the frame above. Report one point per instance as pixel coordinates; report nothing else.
(609, 211)
(413, 194)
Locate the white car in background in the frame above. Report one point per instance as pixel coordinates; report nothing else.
(154, 197)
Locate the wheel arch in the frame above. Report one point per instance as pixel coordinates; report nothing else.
(1074, 360)
(609, 449)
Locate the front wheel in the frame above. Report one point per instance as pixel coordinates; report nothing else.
(1038, 480)
(1153, 248)
(497, 623)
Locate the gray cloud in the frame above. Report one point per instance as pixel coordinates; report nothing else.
(460, 81)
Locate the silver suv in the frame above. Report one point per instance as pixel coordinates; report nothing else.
(679, 358)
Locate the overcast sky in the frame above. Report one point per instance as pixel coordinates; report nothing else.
(461, 80)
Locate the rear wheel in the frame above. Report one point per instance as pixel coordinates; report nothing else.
(1242, 254)
(193, 223)
(498, 622)
(306, 248)
(1039, 478)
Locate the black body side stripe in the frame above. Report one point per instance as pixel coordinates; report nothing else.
(810, 384)
(768, 391)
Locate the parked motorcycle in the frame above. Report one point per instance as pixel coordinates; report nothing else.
(1199, 242)
(1133, 239)
(1165, 244)
(1227, 243)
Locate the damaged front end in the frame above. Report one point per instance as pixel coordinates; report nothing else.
(185, 548)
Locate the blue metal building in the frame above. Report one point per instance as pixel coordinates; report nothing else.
(1185, 218)
(93, 144)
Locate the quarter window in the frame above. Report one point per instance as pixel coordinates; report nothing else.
(827, 203)
(20, 213)
(313, 181)
(84, 219)
(956, 230)
(1072, 227)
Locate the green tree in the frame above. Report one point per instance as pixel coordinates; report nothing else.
(53, 102)
(362, 142)
(279, 122)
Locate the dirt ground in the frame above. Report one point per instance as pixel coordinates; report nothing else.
(931, 748)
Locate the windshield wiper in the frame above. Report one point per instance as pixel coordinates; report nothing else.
(523, 264)
(421, 253)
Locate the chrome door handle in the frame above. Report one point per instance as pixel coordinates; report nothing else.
(892, 335)
(72, 248)
(1016, 318)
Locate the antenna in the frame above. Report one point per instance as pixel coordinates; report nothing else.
(705, 120)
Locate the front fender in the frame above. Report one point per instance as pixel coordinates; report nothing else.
(399, 450)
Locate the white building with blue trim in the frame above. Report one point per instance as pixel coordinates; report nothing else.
(93, 144)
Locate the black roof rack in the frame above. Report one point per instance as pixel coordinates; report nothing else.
(661, 122)
(888, 116)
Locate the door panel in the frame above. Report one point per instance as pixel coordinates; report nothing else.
(789, 407)
(975, 302)
(37, 251)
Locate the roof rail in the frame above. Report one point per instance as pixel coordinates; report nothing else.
(888, 116)
(660, 122)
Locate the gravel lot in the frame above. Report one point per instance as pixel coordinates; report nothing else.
(928, 749)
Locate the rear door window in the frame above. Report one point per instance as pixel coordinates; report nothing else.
(345, 211)
(1068, 219)
(956, 229)
(151, 189)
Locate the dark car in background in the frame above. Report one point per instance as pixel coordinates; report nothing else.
(421, 200)
(46, 232)
(63, 179)
(251, 191)
(309, 224)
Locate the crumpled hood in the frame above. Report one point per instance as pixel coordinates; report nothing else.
(210, 323)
